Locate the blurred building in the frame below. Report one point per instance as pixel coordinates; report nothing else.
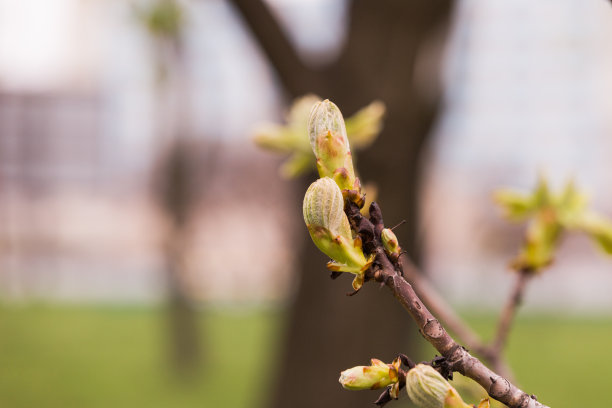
(529, 90)
(78, 146)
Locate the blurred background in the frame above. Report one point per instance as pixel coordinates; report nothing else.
(152, 255)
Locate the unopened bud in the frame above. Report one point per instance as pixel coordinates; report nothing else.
(326, 121)
(330, 230)
(330, 145)
(378, 375)
(390, 242)
(543, 233)
(324, 207)
(428, 389)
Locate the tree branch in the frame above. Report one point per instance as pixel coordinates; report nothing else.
(457, 357)
(507, 316)
(442, 309)
(295, 76)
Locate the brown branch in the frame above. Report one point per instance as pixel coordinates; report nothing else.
(491, 354)
(443, 310)
(452, 320)
(507, 316)
(296, 77)
(457, 357)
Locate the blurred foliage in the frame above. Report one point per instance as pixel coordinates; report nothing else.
(292, 138)
(548, 216)
(114, 357)
(163, 18)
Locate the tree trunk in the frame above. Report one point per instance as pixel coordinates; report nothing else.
(327, 331)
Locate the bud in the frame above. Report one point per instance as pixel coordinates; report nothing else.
(324, 207)
(543, 233)
(164, 18)
(428, 389)
(330, 145)
(330, 230)
(326, 130)
(390, 243)
(373, 377)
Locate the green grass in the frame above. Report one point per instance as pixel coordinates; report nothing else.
(109, 357)
(564, 361)
(71, 356)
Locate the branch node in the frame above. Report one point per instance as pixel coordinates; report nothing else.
(432, 329)
(499, 387)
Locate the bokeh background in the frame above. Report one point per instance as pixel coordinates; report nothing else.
(152, 255)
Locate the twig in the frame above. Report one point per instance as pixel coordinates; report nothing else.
(296, 77)
(454, 322)
(507, 316)
(442, 309)
(458, 358)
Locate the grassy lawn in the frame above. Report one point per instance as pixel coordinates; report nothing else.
(70, 356)
(564, 361)
(108, 357)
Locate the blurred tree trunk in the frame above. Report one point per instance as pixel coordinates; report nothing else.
(327, 331)
(176, 196)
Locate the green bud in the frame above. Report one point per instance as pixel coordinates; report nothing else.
(428, 389)
(378, 375)
(390, 242)
(330, 230)
(324, 207)
(330, 145)
(541, 241)
(326, 122)
(164, 18)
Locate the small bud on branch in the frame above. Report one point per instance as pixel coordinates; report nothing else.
(428, 389)
(372, 377)
(390, 243)
(330, 145)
